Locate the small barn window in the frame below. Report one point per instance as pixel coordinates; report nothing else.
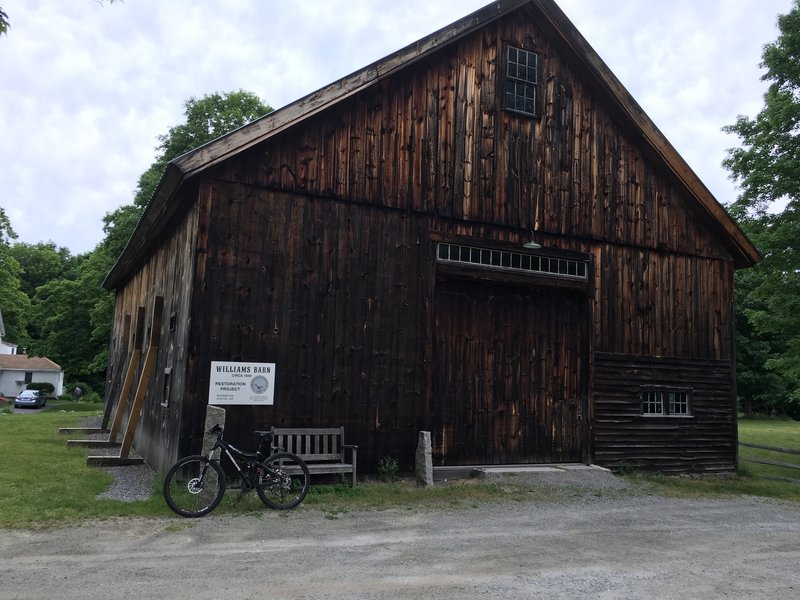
(665, 403)
(166, 388)
(522, 80)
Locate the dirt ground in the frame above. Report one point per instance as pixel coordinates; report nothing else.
(592, 546)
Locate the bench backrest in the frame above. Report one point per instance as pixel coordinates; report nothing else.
(311, 443)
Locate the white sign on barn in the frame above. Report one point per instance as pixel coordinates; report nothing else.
(241, 383)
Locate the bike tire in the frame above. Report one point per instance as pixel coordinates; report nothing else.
(194, 486)
(282, 480)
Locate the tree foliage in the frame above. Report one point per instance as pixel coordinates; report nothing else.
(71, 313)
(14, 304)
(41, 262)
(207, 118)
(767, 168)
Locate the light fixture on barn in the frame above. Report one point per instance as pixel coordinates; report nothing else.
(532, 244)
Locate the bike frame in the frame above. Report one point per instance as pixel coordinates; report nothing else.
(238, 457)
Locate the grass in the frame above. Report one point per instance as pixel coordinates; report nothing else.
(45, 483)
(783, 433)
(750, 479)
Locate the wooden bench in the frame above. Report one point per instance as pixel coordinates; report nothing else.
(322, 448)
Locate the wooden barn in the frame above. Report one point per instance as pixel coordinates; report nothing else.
(482, 236)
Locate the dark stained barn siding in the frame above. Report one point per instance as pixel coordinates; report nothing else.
(436, 140)
(315, 247)
(508, 374)
(333, 293)
(168, 272)
(705, 441)
(431, 151)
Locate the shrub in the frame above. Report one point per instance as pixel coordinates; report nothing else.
(388, 466)
(42, 386)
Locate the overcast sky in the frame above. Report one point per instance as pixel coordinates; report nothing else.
(86, 88)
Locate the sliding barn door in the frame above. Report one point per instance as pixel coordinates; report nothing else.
(507, 374)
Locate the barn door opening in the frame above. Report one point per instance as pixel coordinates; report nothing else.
(507, 375)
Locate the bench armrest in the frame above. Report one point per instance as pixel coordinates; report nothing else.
(354, 453)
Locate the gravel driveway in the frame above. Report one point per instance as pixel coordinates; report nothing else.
(596, 545)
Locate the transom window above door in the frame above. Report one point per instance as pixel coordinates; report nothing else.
(508, 260)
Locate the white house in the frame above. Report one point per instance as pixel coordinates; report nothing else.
(5, 347)
(18, 370)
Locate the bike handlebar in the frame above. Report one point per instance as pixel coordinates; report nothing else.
(217, 429)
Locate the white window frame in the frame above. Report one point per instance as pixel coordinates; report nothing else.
(521, 74)
(666, 402)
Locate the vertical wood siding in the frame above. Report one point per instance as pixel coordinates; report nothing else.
(335, 294)
(508, 374)
(435, 139)
(168, 273)
(315, 250)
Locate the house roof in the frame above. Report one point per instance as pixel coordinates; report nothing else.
(23, 362)
(188, 166)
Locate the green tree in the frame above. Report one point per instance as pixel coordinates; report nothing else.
(74, 313)
(62, 310)
(41, 262)
(14, 304)
(767, 167)
(207, 118)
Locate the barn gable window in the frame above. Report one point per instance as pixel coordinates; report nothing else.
(522, 80)
(666, 403)
(508, 260)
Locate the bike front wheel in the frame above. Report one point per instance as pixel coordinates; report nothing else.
(283, 480)
(194, 486)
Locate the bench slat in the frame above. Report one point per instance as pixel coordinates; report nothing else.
(321, 448)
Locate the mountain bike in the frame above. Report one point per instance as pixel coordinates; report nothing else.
(195, 485)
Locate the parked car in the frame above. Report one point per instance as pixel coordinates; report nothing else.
(30, 398)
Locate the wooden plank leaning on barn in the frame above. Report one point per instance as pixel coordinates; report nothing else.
(141, 393)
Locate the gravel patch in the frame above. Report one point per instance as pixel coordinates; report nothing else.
(135, 482)
(629, 547)
(131, 483)
(580, 478)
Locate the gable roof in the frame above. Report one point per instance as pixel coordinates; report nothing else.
(186, 167)
(23, 362)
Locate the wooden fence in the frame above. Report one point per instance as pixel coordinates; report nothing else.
(774, 463)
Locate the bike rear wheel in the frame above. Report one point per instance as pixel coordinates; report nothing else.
(194, 486)
(283, 480)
